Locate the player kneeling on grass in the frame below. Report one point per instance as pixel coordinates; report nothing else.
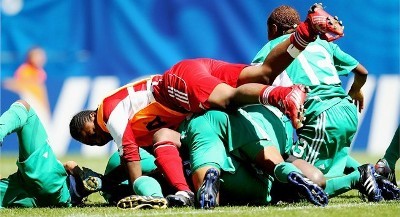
(224, 146)
(41, 180)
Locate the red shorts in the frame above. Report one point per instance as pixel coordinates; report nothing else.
(189, 83)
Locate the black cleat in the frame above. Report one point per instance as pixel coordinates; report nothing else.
(208, 192)
(308, 189)
(367, 185)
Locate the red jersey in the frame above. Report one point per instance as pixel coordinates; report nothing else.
(134, 112)
(132, 116)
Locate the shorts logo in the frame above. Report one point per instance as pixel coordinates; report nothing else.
(46, 154)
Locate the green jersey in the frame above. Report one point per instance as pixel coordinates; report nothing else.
(318, 67)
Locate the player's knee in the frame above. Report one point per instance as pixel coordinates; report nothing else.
(165, 134)
(319, 179)
(221, 96)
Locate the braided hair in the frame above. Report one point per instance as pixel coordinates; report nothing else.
(285, 18)
(77, 123)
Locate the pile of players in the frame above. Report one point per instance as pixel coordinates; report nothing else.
(180, 133)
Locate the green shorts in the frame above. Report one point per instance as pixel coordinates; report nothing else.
(325, 140)
(243, 134)
(223, 141)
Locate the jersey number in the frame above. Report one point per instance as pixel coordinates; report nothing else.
(157, 123)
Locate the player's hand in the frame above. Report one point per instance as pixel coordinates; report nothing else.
(358, 99)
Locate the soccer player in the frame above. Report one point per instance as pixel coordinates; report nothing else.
(330, 115)
(222, 144)
(132, 114)
(40, 180)
(43, 181)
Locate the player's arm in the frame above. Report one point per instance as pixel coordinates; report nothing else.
(360, 78)
(119, 127)
(128, 149)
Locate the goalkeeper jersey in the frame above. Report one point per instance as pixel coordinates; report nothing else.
(319, 67)
(132, 116)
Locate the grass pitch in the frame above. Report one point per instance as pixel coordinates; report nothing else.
(348, 204)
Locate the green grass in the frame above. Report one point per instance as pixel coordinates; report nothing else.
(348, 204)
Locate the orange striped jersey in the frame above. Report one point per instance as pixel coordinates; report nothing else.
(132, 116)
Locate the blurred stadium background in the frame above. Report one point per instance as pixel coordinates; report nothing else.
(94, 46)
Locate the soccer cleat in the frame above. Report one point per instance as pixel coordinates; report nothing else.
(368, 185)
(208, 192)
(142, 202)
(293, 105)
(327, 27)
(382, 168)
(181, 199)
(307, 189)
(389, 190)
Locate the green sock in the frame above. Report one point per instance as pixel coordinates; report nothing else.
(352, 163)
(12, 119)
(393, 151)
(342, 184)
(283, 169)
(147, 186)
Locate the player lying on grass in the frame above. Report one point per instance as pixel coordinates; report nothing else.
(41, 180)
(331, 117)
(132, 114)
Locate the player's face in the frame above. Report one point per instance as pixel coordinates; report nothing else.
(91, 134)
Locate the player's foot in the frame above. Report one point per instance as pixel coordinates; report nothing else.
(367, 185)
(292, 105)
(208, 192)
(389, 190)
(181, 199)
(329, 28)
(382, 168)
(142, 202)
(307, 189)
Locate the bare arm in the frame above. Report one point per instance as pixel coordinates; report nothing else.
(134, 170)
(360, 77)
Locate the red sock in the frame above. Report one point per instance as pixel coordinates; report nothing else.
(303, 35)
(169, 162)
(273, 95)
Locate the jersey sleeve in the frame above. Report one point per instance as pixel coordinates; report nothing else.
(118, 125)
(344, 63)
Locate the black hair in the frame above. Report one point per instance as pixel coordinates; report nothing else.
(77, 123)
(285, 18)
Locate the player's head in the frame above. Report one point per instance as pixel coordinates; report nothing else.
(283, 20)
(85, 129)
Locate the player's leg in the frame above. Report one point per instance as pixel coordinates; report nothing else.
(20, 118)
(207, 155)
(169, 162)
(115, 181)
(37, 163)
(148, 194)
(386, 166)
(269, 142)
(270, 158)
